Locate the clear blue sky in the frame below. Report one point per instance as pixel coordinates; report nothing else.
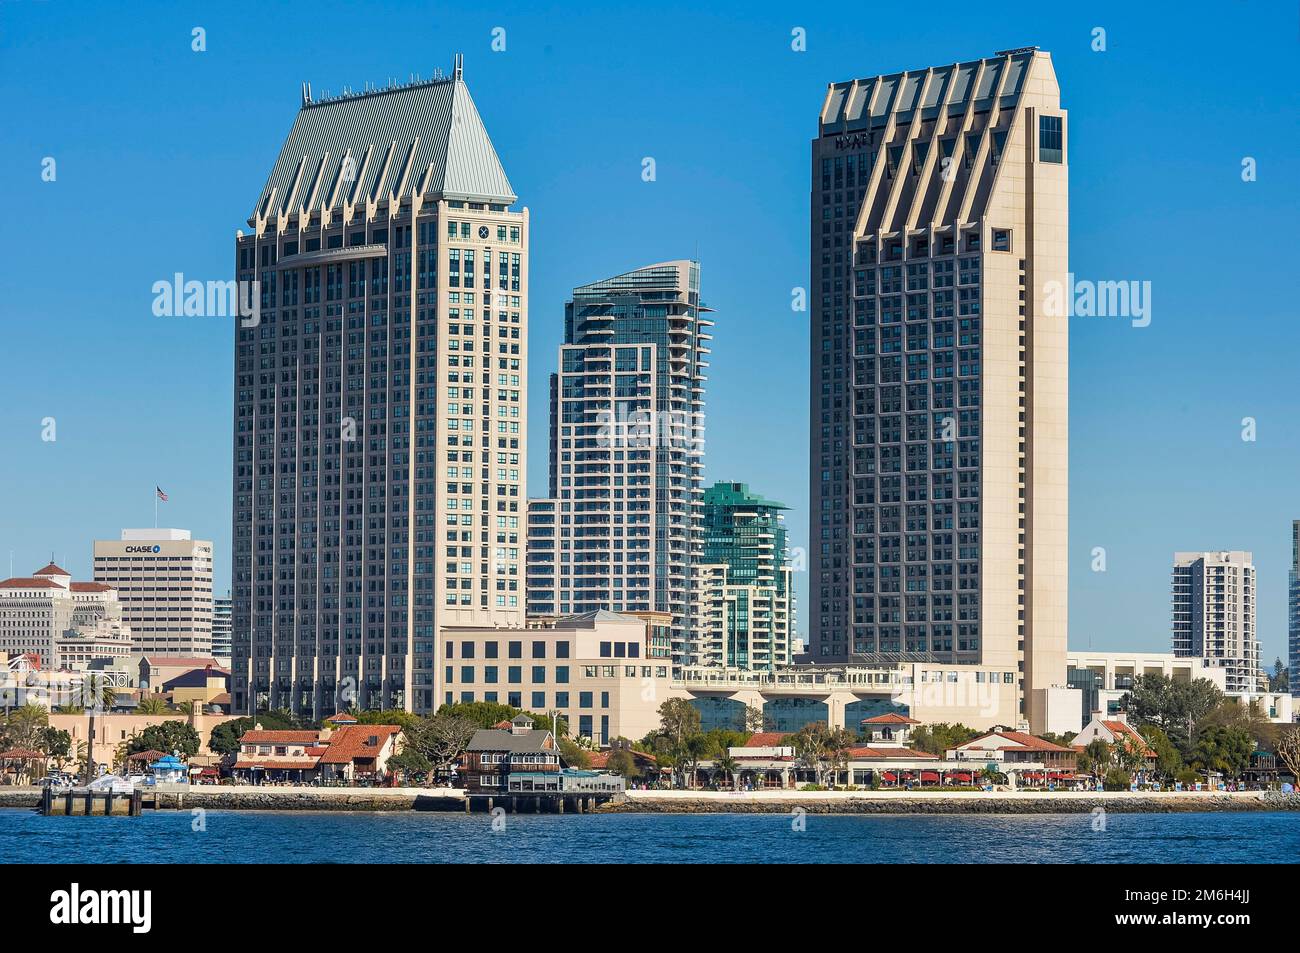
(161, 153)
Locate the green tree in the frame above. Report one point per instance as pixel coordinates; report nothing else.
(224, 739)
(442, 739)
(679, 719)
(821, 749)
(1095, 758)
(151, 705)
(22, 727)
(1249, 717)
(621, 762)
(1280, 680)
(1225, 749)
(410, 761)
(572, 755)
(167, 737)
(491, 714)
(726, 765)
(1176, 708)
(55, 743)
(941, 737)
(1117, 779)
(1168, 759)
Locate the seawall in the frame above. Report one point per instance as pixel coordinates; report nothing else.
(924, 802)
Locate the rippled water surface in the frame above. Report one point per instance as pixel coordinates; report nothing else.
(284, 837)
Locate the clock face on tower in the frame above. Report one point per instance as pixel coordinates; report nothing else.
(482, 231)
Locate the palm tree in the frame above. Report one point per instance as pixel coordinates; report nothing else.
(694, 748)
(151, 705)
(726, 764)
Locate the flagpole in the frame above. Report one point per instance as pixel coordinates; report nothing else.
(155, 509)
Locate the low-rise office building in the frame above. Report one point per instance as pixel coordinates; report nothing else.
(599, 671)
(1105, 678)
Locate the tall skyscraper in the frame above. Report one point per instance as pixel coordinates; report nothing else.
(1214, 614)
(627, 444)
(746, 596)
(1293, 612)
(939, 376)
(380, 402)
(163, 579)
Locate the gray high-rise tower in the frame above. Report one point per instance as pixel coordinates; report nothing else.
(380, 402)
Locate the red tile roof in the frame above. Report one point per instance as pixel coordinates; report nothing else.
(894, 754)
(351, 743)
(19, 582)
(255, 737)
(767, 739)
(342, 718)
(1020, 741)
(90, 587)
(21, 754)
(600, 759)
(892, 718)
(51, 570)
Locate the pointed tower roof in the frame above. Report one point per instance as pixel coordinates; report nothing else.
(52, 570)
(425, 138)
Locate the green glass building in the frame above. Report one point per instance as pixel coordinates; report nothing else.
(746, 598)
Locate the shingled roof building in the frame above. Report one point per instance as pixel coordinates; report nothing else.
(380, 401)
(938, 391)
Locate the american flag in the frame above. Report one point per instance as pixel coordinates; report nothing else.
(161, 495)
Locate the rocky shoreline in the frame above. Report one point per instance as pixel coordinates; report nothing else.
(646, 802)
(714, 802)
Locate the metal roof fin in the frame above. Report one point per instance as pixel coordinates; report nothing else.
(458, 67)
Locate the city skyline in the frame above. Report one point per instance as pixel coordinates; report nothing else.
(127, 429)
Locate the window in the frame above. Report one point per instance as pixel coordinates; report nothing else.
(1050, 144)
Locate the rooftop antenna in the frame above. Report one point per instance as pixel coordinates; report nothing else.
(306, 93)
(458, 66)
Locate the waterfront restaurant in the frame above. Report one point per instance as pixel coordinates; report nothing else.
(277, 756)
(347, 755)
(494, 755)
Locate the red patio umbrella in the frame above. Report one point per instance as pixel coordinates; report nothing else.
(930, 776)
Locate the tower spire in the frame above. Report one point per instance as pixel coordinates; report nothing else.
(458, 66)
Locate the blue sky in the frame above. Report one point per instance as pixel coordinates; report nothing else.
(161, 153)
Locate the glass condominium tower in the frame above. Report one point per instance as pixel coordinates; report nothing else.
(746, 594)
(380, 402)
(622, 529)
(939, 378)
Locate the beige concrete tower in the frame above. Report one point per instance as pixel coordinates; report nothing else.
(380, 402)
(939, 382)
